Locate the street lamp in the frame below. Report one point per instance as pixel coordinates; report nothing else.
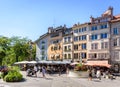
(80, 58)
(30, 47)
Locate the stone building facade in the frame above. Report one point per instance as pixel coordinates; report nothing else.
(42, 47)
(99, 38)
(55, 43)
(115, 41)
(80, 38)
(68, 44)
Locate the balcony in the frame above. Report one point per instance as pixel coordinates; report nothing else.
(69, 50)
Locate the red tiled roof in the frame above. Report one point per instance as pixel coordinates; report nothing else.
(117, 16)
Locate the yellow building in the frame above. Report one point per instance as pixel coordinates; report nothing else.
(55, 51)
(80, 38)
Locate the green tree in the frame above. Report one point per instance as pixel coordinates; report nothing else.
(4, 46)
(15, 49)
(20, 46)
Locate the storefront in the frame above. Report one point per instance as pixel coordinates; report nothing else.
(98, 63)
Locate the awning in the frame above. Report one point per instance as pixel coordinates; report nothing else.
(21, 62)
(98, 63)
(74, 63)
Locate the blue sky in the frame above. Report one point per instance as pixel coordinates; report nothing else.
(31, 18)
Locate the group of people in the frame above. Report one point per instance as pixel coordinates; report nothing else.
(56, 69)
(33, 70)
(97, 73)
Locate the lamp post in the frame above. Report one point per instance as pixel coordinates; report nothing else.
(80, 58)
(30, 47)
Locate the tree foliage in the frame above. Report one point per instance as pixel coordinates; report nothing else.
(15, 49)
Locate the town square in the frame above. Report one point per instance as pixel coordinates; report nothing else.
(61, 43)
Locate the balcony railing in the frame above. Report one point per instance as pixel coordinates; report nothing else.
(68, 50)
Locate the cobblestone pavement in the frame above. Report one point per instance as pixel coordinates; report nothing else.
(61, 81)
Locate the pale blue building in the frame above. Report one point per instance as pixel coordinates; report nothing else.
(41, 48)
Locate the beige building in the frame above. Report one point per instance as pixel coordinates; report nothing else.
(55, 44)
(115, 41)
(99, 38)
(68, 44)
(80, 38)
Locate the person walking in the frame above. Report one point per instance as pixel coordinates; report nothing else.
(59, 69)
(90, 74)
(43, 72)
(35, 70)
(98, 74)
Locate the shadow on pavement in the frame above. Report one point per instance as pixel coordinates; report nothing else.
(97, 80)
(49, 78)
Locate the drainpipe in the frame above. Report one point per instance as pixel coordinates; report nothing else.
(110, 44)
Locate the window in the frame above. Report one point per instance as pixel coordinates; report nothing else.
(104, 35)
(65, 39)
(80, 38)
(93, 55)
(93, 28)
(69, 47)
(75, 38)
(56, 41)
(84, 37)
(69, 56)
(42, 58)
(84, 29)
(94, 46)
(76, 31)
(43, 47)
(115, 42)
(84, 46)
(69, 39)
(65, 56)
(75, 47)
(76, 55)
(52, 48)
(54, 35)
(43, 53)
(115, 31)
(80, 30)
(43, 42)
(58, 57)
(94, 37)
(103, 26)
(104, 45)
(103, 55)
(65, 48)
(55, 48)
(59, 47)
(83, 55)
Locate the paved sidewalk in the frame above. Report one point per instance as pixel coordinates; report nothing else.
(61, 81)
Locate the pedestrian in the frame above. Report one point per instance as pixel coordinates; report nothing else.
(89, 74)
(43, 72)
(35, 70)
(98, 74)
(59, 69)
(40, 69)
(93, 73)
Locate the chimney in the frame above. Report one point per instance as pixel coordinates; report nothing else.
(91, 19)
(50, 29)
